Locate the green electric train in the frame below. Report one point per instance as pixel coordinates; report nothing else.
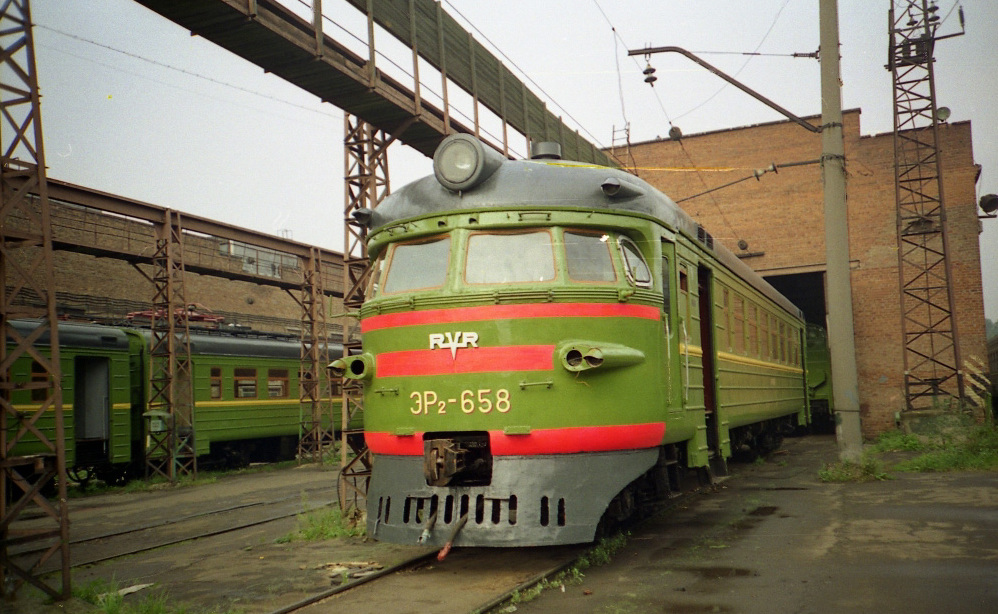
(246, 401)
(549, 344)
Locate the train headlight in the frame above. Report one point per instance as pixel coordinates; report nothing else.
(462, 162)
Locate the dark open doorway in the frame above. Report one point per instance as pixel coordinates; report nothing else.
(806, 290)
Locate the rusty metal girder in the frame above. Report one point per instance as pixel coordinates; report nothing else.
(367, 184)
(172, 451)
(932, 362)
(26, 268)
(314, 389)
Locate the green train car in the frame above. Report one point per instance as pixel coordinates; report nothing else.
(245, 393)
(547, 345)
(819, 378)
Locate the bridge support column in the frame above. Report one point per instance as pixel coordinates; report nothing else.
(366, 176)
(314, 391)
(32, 437)
(170, 418)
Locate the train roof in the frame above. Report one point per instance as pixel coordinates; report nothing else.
(234, 345)
(77, 335)
(559, 184)
(97, 336)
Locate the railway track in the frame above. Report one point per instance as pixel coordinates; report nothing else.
(476, 580)
(226, 554)
(138, 533)
(468, 580)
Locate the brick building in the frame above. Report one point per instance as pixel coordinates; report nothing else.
(776, 224)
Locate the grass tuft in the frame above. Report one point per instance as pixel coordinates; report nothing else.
(867, 470)
(963, 449)
(325, 523)
(978, 451)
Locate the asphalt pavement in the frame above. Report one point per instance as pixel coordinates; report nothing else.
(775, 539)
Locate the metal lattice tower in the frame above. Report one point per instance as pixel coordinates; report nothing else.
(314, 391)
(933, 377)
(28, 291)
(171, 451)
(366, 175)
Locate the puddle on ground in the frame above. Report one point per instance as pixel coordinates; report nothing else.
(695, 608)
(717, 573)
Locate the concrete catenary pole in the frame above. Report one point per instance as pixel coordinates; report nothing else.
(841, 336)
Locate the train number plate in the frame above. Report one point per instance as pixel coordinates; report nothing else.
(482, 400)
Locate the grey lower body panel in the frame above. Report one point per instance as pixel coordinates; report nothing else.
(531, 500)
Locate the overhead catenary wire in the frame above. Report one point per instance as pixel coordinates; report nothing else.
(744, 64)
(173, 68)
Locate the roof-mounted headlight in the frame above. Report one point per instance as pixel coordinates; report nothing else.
(462, 162)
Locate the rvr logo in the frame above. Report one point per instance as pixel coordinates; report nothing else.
(452, 341)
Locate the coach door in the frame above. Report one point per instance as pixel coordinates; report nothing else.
(92, 408)
(706, 306)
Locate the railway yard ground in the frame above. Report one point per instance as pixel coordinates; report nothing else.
(772, 538)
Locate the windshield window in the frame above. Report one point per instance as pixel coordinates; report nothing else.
(588, 257)
(418, 266)
(637, 270)
(509, 258)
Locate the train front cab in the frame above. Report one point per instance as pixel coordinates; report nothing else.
(556, 432)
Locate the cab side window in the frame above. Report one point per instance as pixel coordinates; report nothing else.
(637, 269)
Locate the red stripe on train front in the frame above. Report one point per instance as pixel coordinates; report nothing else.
(571, 440)
(510, 312)
(411, 363)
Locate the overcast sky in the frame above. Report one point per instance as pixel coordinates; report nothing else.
(134, 105)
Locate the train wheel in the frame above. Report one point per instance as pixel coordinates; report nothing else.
(113, 475)
(768, 441)
(81, 475)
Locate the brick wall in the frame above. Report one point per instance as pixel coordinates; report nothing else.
(781, 218)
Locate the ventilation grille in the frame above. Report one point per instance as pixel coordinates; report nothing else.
(481, 510)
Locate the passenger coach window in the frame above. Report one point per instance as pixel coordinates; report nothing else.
(637, 270)
(666, 286)
(418, 266)
(588, 257)
(245, 383)
(509, 258)
(277, 383)
(39, 374)
(215, 383)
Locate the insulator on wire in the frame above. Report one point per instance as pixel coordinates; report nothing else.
(649, 73)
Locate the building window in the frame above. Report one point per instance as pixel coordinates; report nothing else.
(245, 383)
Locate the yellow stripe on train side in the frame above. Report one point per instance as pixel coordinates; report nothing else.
(32, 408)
(696, 351)
(754, 362)
(257, 402)
(692, 350)
(65, 407)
